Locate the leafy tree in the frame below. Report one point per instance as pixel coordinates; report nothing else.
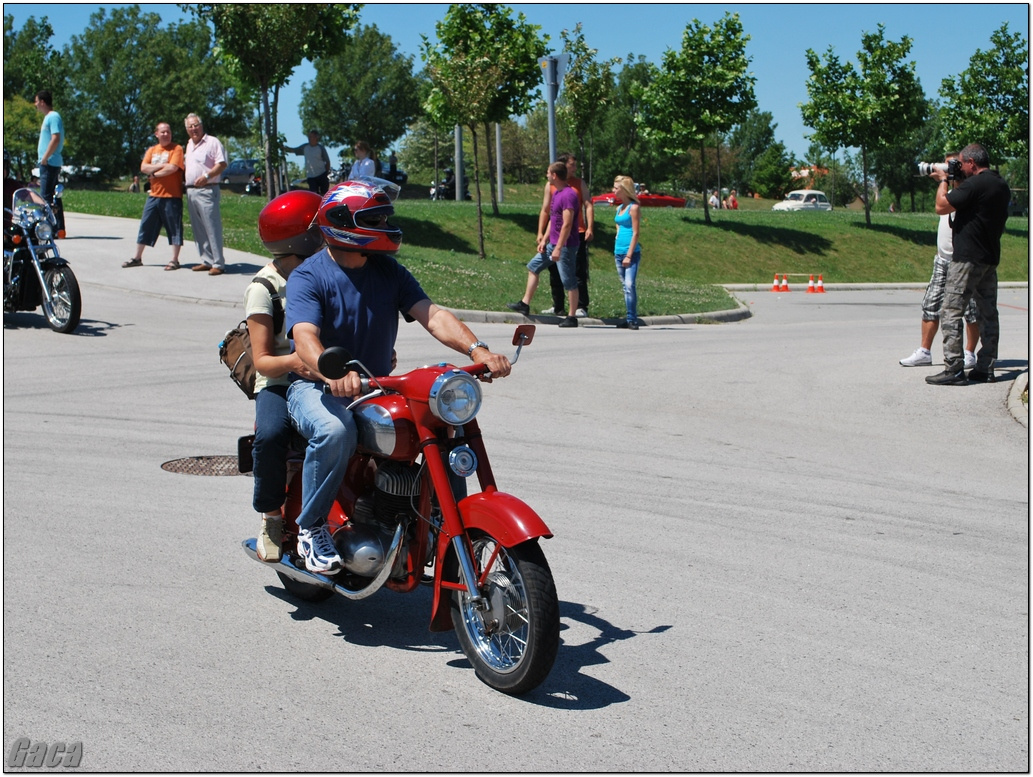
(868, 108)
(587, 89)
(366, 91)
(748, 140)
(894, 164)
(425, 150)
(772, 176)
(30, 62)
(126, 73)
(701, 90)
(621, 147)
(21, 134)
(269, 40)
(989, 102)
(483, 69)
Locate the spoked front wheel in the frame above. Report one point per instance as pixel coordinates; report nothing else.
(65, 306)
(513, 640)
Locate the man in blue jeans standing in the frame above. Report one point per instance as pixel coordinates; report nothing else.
(350, 294)
(51, 141)
(559, 246)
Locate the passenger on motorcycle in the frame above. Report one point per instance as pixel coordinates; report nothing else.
(350, 295)
(286, 229)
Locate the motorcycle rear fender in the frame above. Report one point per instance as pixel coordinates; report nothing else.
(506, 518)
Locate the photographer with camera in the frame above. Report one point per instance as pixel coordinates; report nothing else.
(933, 300)
(978, 210)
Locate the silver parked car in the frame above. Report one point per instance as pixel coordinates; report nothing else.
(804, 199)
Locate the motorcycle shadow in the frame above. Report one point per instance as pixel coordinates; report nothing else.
(566, 687)
(86, 327)
(401, 623)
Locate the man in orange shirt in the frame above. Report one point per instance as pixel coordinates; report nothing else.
(163, 165)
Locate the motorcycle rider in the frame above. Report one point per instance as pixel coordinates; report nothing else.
(286, 229)
(350, 294)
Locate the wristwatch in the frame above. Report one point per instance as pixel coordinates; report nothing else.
(478, 344)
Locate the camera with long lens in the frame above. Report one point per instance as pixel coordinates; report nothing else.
(951, 168)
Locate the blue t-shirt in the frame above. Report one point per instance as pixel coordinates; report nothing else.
(355, 309)
(52, 125)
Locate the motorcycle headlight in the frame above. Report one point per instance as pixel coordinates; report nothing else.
(455, 397)
(44, 232)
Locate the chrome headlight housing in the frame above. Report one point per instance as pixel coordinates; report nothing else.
(455, 397)
(44, 232)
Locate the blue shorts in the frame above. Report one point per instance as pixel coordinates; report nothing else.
(567, 265)
(161, 212)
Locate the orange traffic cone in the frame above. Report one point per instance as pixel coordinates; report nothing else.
(810, 286)
(785, 283)
(821, 286)
(774, 286)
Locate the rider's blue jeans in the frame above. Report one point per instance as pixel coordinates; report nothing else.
(272, 439)
(325, 421)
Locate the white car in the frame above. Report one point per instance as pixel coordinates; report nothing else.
(804, 199)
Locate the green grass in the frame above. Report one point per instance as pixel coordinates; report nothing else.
(684, 259)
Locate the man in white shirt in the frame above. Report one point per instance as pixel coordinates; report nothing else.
(205, 161)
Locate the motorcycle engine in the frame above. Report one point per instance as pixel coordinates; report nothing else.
(364, 542)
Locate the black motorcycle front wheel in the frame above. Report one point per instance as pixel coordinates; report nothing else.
(512, 642)
(65, 306)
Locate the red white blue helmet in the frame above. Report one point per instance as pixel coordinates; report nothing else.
(354, 216)
(287, 226)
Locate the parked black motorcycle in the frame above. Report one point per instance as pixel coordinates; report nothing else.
(34, 272)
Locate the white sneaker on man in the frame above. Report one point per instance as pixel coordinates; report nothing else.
(316, 547)
(970, 360)
(581, 313)
(919, 358)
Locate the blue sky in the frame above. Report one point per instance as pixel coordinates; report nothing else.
(944, 35)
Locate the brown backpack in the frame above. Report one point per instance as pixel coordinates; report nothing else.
(235, 348)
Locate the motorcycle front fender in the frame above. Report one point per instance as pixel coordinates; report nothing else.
(508, 519)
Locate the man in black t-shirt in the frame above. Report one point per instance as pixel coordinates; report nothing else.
(978, 208)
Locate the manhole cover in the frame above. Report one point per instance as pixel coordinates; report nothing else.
(213, 466)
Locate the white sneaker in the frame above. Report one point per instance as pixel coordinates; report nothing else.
(549, 312)
(970, 360)
(316, 546)
(919, 358)
(581, 313)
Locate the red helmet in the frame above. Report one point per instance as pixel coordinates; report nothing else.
(354, 215)
(287, 224)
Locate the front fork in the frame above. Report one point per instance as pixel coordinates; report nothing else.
(452, 527)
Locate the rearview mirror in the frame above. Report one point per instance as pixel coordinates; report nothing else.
(335, 362)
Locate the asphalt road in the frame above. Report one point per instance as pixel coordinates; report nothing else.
(775, 549)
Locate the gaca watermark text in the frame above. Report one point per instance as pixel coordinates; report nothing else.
(25, 752)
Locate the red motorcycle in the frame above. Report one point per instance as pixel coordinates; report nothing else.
(402, 518)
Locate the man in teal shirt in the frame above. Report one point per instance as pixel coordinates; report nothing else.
(51, 141)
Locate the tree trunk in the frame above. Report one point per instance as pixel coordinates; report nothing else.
(477, 184)
(266, 129)
(867, 188)
(491, 168)
(703, 175)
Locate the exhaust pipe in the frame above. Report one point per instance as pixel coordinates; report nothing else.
(285, 567)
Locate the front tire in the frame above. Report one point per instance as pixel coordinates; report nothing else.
(512, 644)
(65, 308)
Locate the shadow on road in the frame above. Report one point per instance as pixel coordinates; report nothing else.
(400, 622)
